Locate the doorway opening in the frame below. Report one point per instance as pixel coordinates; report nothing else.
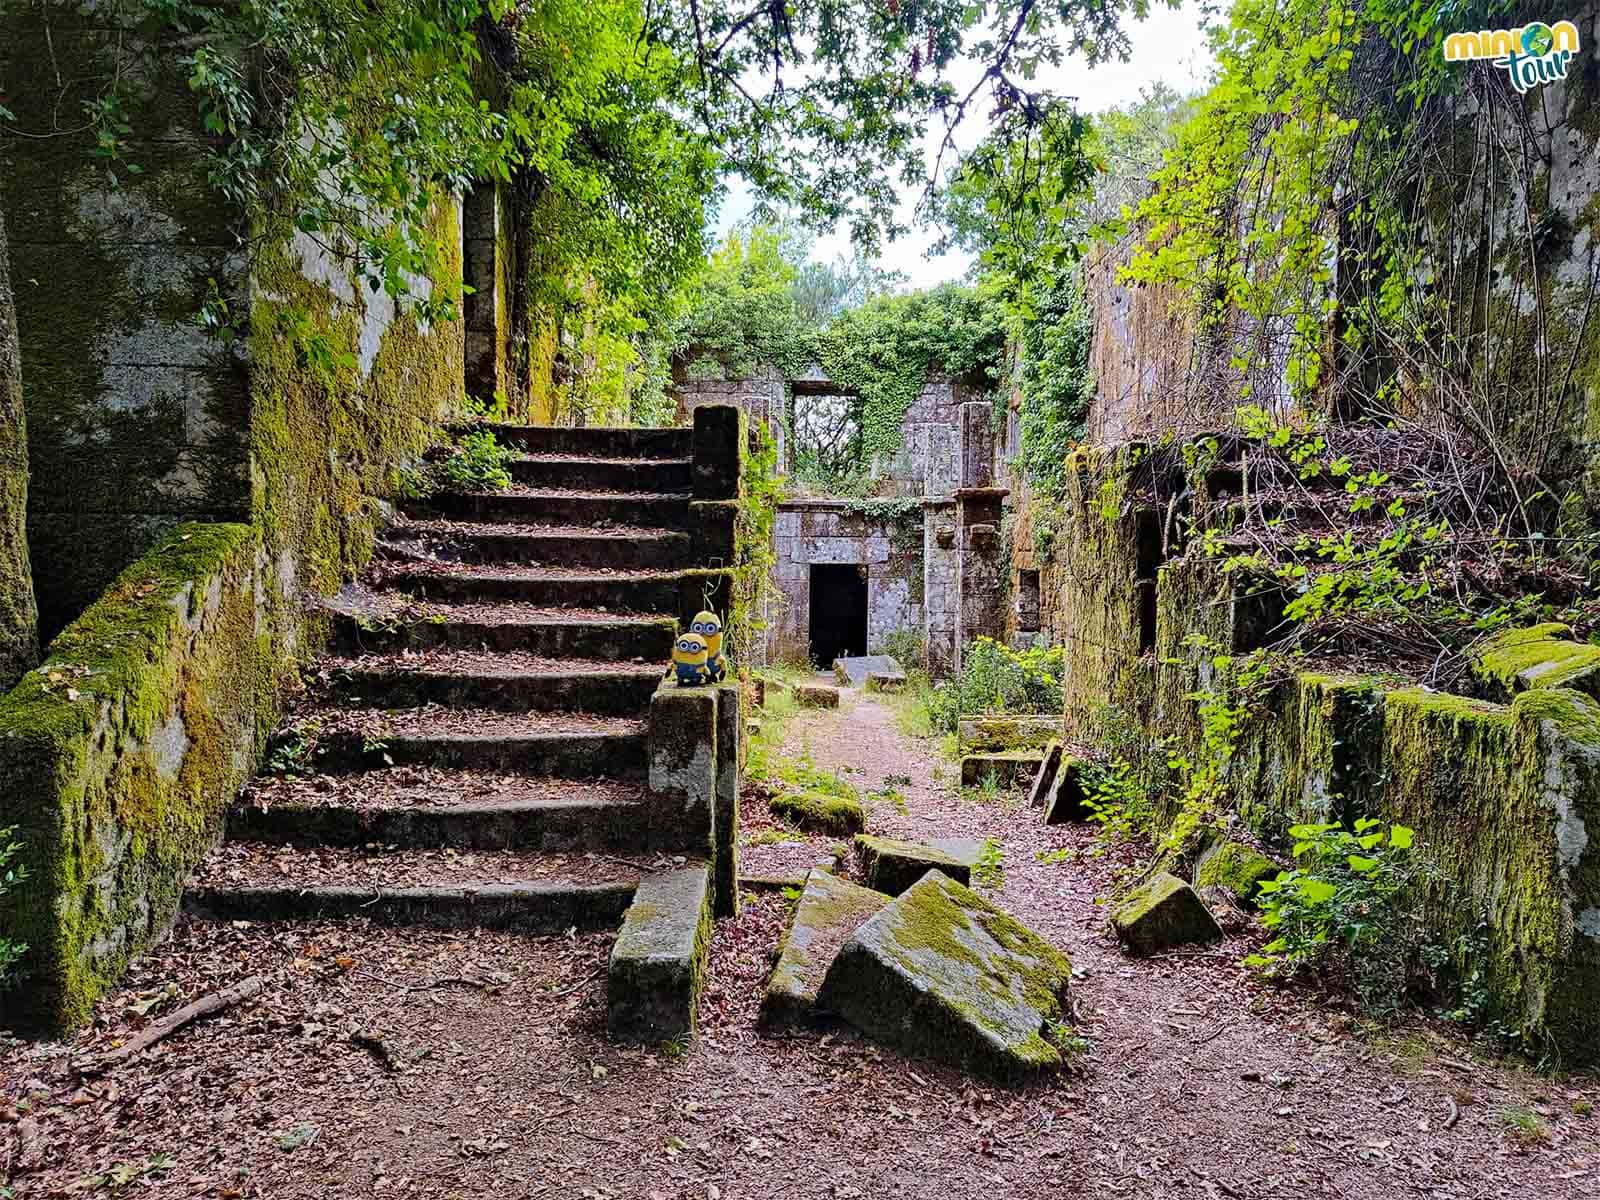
(838, 612)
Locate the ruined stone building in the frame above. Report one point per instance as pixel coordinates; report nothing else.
(924, 556)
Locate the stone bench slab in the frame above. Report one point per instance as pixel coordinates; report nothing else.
(659, 961)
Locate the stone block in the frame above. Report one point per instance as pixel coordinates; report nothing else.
(1234, 867)
(943, 974)
(1045, 777)
(819, 812)
(1009, 768)
(830, 910)
(886, 681)
(718, 440)
(816, 695)
(853, 672)
(1067, 799)
(683, 761)
(1162, 913)
(659, 960)
(890, 865)
(725, 827)
(984, 735)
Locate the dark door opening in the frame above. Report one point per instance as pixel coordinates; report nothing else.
(838, 612)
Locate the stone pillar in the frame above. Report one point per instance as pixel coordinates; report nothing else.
(481, 307)
(977, 445)
(981, 573)
(941, 473)
(940, 571)
(719, 431)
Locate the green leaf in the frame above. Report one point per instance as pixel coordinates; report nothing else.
(1363, 865)
(1400, 837)
(1316, 891)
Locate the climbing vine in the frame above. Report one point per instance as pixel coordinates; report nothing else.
(762, 489)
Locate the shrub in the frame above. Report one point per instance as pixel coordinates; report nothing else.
(477, 463)
(1345, 910)
(995, 680)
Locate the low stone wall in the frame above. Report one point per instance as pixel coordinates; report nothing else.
(118, 757)
(1504, 797)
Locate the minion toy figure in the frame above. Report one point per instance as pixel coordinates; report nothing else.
(689, 657)
(709, 626)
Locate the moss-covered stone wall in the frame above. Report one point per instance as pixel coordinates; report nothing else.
(19, 613)
(1504, 797)
(137, 419)
(118, 756)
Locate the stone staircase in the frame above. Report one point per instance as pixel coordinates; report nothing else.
(475, 748)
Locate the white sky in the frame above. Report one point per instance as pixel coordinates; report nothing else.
(1168, 46)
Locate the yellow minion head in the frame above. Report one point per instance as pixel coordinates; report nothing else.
(689, 657)
(709, 627)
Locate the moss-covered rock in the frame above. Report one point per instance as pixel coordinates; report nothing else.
(816, 695)
(19, 615)
(830, 910)
(989, 735)
(658, 963)
(1162, 913)
(1539, 656)
(1235, 867)
(1066, 797)
(820, 812)
(890, 865)
(941, 973)
(118, 757)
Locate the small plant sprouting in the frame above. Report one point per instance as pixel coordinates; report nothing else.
(990, 870)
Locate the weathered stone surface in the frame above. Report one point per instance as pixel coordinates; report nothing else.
(658, 962)
(853, 672)
(725, 827)
(1066, 799)
(886, 681)
(719, 431)
(1009, 768)
(820, 812)
(830, 910)
(683, 759)
(1539, 656)
(985, 735)
(891, 866)
(942, 973)
(816, 695)
(1045, 777)
(1164, 912)
(19, 615)
(1235, 867)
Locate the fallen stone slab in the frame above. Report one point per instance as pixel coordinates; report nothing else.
(889, 865)
(853, 672)
(1234, 867)
(1067, 797)
(886, 681)
(987, 735)
(830, 910)
(659, 960)
(1010, 768)
(941, 973)
(1044, 778)
(816, 695)
(1161, 913)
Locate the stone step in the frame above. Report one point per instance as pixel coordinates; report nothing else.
(509, 682)
(664, 510)
(676, 593)
(628, 548)
(563, 745)
(598, 442)
(549, 632)
(436, 889)
(543, 506)
(653, 475)
(466, 810)
(658, 964)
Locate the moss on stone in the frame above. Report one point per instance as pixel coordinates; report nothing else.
(1163, 912)
(119, 754)
(890, 865)
(1539, 656)
(830, 910)
(820, 812)
(1237, 867)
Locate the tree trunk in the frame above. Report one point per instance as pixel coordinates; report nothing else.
(19, 614)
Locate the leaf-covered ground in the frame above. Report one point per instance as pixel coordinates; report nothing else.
(378, 1063)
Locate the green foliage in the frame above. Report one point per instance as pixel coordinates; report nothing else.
(1344, 908)
(762, 489)
(477, 463)
(10, 876)
(1225, 710)
(1053, 376)
(883, 352)
(742, 313)
(990, 869)
(995, 680)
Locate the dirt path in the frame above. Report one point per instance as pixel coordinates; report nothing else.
(1201, 1082)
